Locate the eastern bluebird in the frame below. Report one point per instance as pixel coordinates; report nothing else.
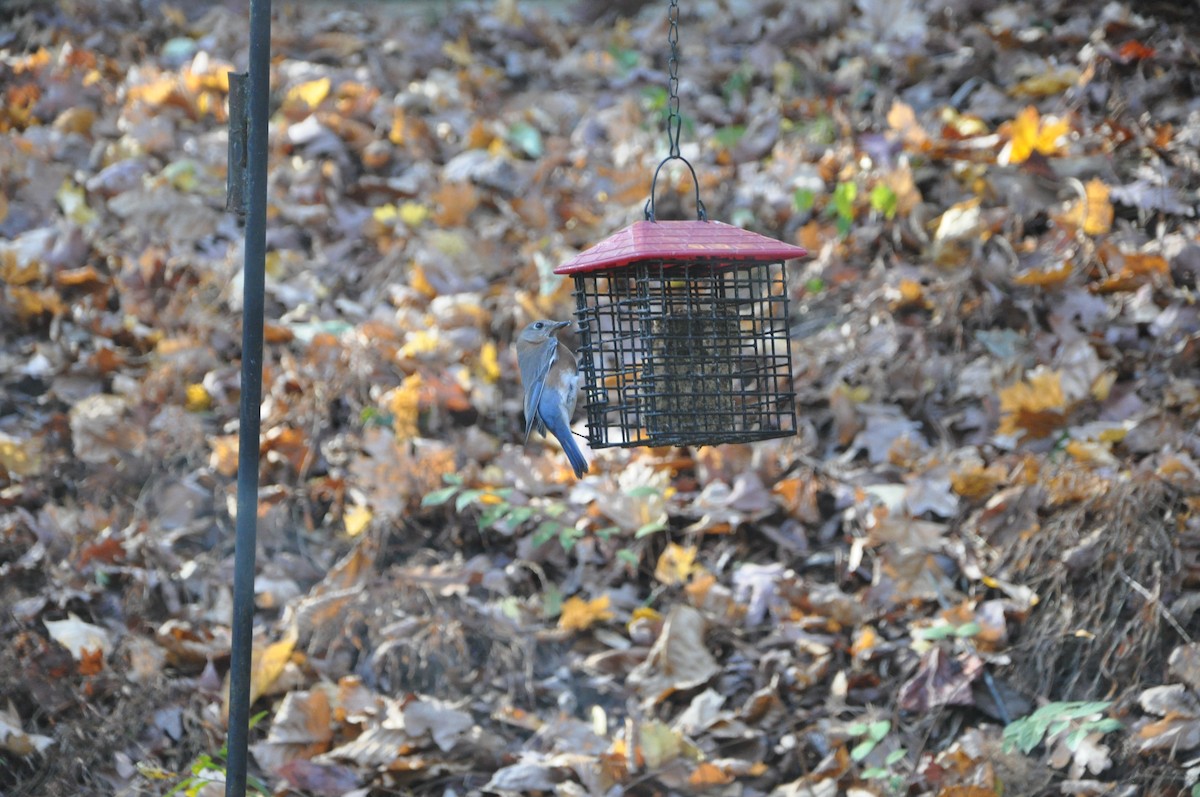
(550, 373)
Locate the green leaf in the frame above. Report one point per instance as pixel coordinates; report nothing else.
(815, 285)
(626, 59)
(968, 629)
(452, 478)
(519, 514)
(862, 750)
(554, 510)
(803, 200)
(935, 632)
(728, 137)
(552, 602)
(546, 530)
(874, 773)
(843, 200)
(493, 515)
(879, 729)
(642, 491)
(895, 756)
(465, 498)
(1106, 725)
(568, 537)
(439, 497)
(628, 557)
(884, 200)
(1075, 737)
(649, 528)
(526, 138)
(607, 532)
(857, 729)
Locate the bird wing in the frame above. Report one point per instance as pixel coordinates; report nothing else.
(535, 369)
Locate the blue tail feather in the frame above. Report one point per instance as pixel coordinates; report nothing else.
(567, 440)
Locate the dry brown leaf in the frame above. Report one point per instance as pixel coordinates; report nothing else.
(1035, 407)
(679, 658)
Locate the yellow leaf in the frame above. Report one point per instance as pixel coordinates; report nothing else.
(413, 213)
(676, 564)
(489, 362)
(73, 202)
(659, 743)
(1036, 406)
(645, 613)
(404, 405)
(198, 398)
(266, 665)
(154, 772)
(385, 214)
(357, 520)
(579, 615)
(459, 51)
(418, 281)
(1029, 133)
(312, 93)
(22, 458)
(1094, 212)
(1054, 81)
(419, 342)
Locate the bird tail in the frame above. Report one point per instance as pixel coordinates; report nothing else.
(574, 455)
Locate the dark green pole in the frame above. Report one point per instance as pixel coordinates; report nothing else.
(251, 393)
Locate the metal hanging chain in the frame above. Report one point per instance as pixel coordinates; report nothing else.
(674, 119)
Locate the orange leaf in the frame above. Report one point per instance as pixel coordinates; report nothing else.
(1093, 213)
(1036, 407)
(579, 615)
(1029, 133)
(902, 119)
(708, 774)
(455, 201)
(1045, 278)
(1134, 50)
(978, 482)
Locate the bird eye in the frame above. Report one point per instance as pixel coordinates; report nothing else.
(538, 325)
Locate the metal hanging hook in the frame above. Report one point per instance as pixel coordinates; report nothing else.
(674, 119)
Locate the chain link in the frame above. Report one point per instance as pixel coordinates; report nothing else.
(674, 120)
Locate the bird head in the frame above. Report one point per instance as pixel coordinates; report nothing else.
(539, 332)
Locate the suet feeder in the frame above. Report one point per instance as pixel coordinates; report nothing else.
(684, 335)
(683, 324)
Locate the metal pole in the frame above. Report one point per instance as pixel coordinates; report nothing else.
(251, 398)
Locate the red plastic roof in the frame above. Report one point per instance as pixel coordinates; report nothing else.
(682, 241)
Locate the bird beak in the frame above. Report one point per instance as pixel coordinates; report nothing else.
(559, 325)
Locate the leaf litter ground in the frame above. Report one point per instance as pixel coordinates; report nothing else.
(990, 506)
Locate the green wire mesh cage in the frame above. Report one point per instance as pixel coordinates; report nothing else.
(684, 335)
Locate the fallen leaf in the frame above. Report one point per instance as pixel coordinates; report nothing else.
(579, 614)
(1029, 133)
(1034, 407)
